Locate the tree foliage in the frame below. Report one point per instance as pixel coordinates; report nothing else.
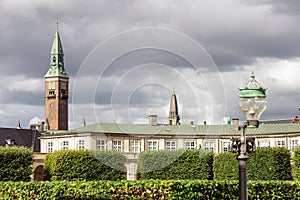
(15, 163)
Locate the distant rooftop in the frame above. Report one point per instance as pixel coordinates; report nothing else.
(199, 130)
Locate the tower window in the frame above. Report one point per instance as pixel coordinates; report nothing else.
(51, 94)
(63, 94)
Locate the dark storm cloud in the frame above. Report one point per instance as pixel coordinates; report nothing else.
(234, 33)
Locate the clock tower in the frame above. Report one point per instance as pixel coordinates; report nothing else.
(56, 88)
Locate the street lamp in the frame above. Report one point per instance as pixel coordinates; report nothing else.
(252, 103)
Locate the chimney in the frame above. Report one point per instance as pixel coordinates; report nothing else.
(19, 125)
(235, 124)
(296, 119)
(153, 120)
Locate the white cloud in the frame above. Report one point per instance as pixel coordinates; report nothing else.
(23, 84)
(35, 120)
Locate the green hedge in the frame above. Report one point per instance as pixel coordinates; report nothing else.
(179, 164)
(296, 164)
(269, 163)
(150, 189)
(15, 164)
(85, 165)
(265, 164)
(225, 166)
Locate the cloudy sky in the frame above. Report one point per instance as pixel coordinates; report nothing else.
(124, 58)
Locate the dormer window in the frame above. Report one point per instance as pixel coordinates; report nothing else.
(54, 59)
(10, 142)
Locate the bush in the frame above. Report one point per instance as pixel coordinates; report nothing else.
(265, 164)
(296, 164)
(15, 164)
(149, 189)
(270, 164)
(84, 165)
(226, 166)
(179, 164)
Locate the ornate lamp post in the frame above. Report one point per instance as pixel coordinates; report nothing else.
(252, 103)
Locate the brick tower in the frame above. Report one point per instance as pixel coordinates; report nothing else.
(56, 88)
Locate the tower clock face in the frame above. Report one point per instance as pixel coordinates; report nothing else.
(51, 85)
(64, 85)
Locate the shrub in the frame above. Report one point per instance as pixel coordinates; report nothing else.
(15, 164)
(296, 163)
(265, 164)
(84, 165)
(225, 166)
(270, 164)
(148, 189)
(179, 164)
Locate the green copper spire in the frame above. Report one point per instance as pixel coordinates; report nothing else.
(57, 58)
(253, 89)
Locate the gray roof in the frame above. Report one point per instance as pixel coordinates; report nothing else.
(22, 137)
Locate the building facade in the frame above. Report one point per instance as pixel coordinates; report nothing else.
(132, 138)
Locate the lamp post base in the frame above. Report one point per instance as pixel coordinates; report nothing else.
(242, 159)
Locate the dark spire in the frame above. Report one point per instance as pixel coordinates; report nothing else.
(173, 112)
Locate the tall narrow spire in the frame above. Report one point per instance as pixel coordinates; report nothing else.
(173, 112)
(83, 122)
(19, 125)
(57, 57)
(56, 23)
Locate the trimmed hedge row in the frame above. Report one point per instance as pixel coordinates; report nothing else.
(269, 163)
(226, 166)
(150, 189)
(265, 164)
(85, 165)
(15, 164)
(179, 164)
(296, 164)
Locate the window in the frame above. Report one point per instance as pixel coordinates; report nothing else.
(294, 144)
(226, 146)
(80, 144)
(152, 145)
(50, 147)
(51, 93)
(101, 144)
(117, 145)
(280, 143)
(263, 143)
(65, 144)
(170, 145)
(190, 145)
(209, 145)
(135, 146)
(63, 94)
